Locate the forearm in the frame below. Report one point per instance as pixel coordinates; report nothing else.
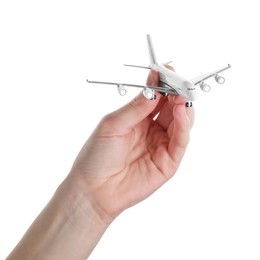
(67, 228)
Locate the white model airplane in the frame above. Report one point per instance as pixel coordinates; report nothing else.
(170, 81)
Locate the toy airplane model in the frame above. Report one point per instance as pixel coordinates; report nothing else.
(170, 81)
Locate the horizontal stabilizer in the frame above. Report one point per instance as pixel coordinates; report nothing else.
(137, 66)
(166, 63)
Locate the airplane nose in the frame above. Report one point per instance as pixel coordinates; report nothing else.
(191, 90)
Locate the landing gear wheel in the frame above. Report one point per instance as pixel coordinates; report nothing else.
(188, 104)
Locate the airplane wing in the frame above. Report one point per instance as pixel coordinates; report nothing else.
(122, 85)
(200, 79)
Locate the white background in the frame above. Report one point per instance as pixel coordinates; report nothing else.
(210, 209)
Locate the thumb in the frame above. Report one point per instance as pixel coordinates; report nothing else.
(128, 116)
(122, 120)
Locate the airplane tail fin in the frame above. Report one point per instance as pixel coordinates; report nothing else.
(151, 51)
(152, 56)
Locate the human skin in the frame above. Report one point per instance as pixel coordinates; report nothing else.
(131, 153)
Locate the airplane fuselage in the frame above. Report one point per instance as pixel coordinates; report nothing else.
(172, 80)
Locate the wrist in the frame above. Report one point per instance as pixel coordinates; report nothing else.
(85, 220)
(78, 205)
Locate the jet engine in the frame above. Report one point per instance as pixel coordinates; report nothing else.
(121, 90)
(149, 94)
(219, 79)
(205, 87)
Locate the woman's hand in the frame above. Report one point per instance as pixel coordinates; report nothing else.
(133, 151)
